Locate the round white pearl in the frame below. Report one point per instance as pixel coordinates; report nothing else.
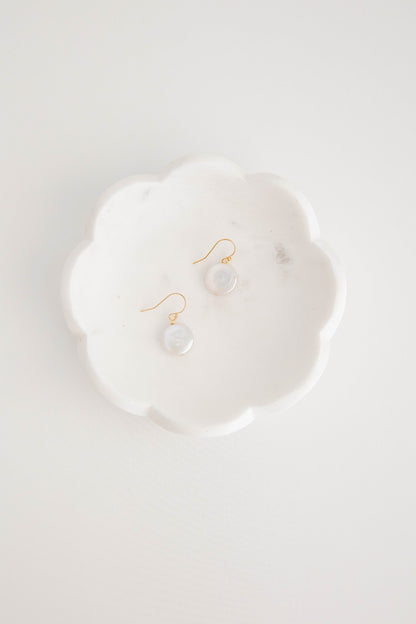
(177, 339)
(221, 279)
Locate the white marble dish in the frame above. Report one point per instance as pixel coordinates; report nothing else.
(259, 348)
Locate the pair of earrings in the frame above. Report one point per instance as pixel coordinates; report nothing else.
(220, 279)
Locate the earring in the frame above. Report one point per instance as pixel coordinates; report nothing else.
(177, 339)
(221, 278)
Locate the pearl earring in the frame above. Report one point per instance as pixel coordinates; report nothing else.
(221, 278)
(177, 338)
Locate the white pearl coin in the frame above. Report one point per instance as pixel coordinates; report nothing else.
(177, 339)
(221, 279)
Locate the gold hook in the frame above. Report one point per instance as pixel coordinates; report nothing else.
(224, 260)
(173, 315)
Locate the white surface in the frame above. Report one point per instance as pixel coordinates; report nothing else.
(308, 517)
(259, 350)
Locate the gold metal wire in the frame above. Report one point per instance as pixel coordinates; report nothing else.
(173, 315)
(224, 260)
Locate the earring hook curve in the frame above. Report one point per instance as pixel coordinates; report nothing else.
(173, 315)
(224, 260)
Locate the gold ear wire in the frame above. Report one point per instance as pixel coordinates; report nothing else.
(173, 315)
(224, 260)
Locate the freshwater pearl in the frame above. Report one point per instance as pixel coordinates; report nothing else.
(221, 279)
(177, 339)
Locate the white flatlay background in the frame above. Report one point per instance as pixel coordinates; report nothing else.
(306, 516)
